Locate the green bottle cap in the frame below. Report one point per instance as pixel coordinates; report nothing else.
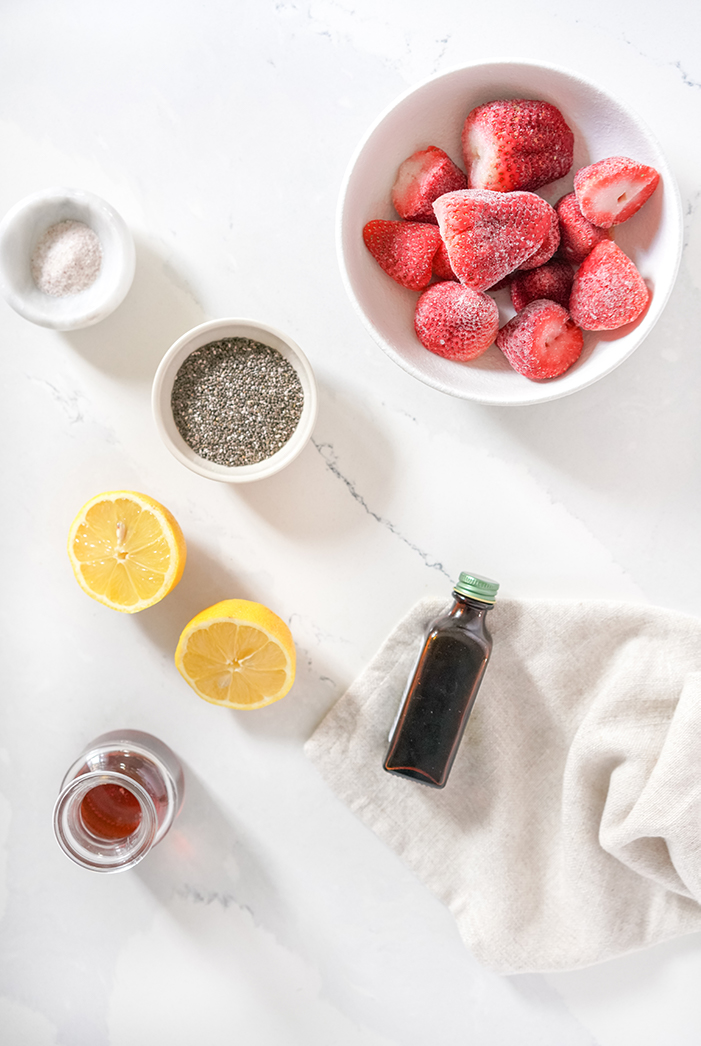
(482, 588)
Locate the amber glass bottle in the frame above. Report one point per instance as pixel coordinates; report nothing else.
(444, 685)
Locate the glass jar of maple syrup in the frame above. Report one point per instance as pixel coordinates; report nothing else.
(118, 800)
(442, 689)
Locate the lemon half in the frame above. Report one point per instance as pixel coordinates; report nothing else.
(238, 654)
(127, 551)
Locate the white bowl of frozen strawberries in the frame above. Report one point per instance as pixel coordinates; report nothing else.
(509, 232)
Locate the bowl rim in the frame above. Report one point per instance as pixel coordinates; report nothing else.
(90, 306)
(194, 339)
(674, 201)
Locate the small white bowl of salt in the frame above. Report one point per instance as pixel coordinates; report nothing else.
(66, 258)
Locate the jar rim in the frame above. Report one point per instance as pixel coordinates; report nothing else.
(87, 850)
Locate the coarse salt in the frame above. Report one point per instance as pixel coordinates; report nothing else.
(67, 259)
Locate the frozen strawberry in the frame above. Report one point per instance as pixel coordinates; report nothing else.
(610, 191)
(441, 264)
(405, 250)
(516, 144)
(608, 290)
(577, 235)
(541, 341)
(548, 246)
(489, 234)
(421, 179)
(456, 322)
(552, 281)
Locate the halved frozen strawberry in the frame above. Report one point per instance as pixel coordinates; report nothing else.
(489, 234)
(552, 281)
(608, 291)
(456, 322)
(421, 179)
(549, 245)
(405, 250)
(577, 235)
(610, 191)
(516, 144)
(541, 341)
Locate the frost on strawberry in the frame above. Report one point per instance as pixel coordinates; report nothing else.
(550, 244)
(405, 250)
(456, 322)
(552, 281)
(612, 190)
(489, 234)
(516, 144)
(578, 237)
(421, 179)
(608, 291)
(542, 341)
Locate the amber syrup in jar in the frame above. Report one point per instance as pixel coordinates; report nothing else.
(110, 811)
(442, 689)
(118, 800)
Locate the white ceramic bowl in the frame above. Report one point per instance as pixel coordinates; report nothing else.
(22, 228)
(163, 388)
(433, 114)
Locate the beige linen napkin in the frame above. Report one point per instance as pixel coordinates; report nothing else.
(570, 828)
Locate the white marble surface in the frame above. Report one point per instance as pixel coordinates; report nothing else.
(269, 915)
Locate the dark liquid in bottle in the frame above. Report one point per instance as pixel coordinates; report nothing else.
(441, 695)
(111, 812)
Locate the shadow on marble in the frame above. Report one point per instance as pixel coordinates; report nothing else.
(348, 446)
(159, 308)
(207, 859)
(636, 973)
(205, 581)
(296, 716)
(607, 436)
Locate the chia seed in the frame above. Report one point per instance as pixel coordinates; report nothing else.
(236, 401)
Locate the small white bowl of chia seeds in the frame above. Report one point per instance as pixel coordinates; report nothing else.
(67, 258)
(234, 400)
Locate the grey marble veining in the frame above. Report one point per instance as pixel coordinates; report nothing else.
(269, 915)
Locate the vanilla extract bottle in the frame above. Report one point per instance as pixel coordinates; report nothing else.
(442, 690)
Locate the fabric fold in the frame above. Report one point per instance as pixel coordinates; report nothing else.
(568, 832)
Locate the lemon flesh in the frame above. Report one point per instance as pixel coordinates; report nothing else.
(127, 550)
(238, 654)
